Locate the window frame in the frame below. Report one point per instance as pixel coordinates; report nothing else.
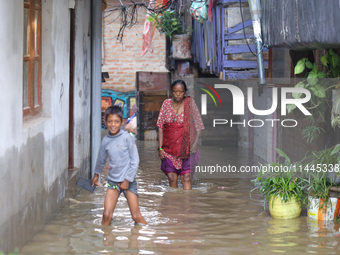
(33, 45)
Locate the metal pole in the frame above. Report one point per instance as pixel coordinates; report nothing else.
(96, 70)
(255, 11)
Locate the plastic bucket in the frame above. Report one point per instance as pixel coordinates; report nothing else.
(318, 210)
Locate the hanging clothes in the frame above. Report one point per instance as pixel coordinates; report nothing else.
(150, 27)
(212, 4)
(149, 30)
(199, 11)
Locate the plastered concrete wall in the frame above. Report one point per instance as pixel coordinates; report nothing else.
(11, 50)
(34, 153)
(82, 86)
(291, 141)
(262, 140)
(123, 60)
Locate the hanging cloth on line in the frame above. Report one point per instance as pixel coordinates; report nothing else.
(212, 4)
(199, 11)
(150, 27)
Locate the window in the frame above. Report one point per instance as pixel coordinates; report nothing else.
(32, 58)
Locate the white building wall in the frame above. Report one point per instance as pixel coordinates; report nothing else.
(34, 153)
(82, 84)
(11, 51)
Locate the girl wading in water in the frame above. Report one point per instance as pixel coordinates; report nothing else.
(179, 129)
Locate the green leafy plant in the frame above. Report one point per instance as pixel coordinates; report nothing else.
(168, 22)
(12, 253)
(335, 118)
(312, 131)
(284, 183)
(318, 185)
(321, 161)
(189, 30)
(319, 169)
(319, 87)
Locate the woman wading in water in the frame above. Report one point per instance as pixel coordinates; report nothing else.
(179, 129)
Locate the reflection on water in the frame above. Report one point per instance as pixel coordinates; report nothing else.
(217, 217)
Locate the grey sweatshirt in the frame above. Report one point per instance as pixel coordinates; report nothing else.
(123, 157)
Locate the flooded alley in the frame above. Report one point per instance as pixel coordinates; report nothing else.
(246, 82)
(217, 217)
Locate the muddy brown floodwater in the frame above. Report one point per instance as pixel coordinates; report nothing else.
(217, 217)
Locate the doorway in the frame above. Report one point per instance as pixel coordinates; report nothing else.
(71, 92)
(152, 88)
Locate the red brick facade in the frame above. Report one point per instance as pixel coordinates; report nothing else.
(123, 59)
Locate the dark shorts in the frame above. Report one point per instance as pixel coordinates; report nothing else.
(188, 165)
(132, 187)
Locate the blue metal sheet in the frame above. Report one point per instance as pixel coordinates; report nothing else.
(237, 36)
(219, 38)
(239, 49)
(239, 26)
(236, 75)
(213, 26)
(231, 1)
(242, 64)
(210, 42)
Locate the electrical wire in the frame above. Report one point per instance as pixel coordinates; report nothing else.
(245, 37)
(128, 13)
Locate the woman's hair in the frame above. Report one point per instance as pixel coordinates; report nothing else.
(179, 82)
(114, 109)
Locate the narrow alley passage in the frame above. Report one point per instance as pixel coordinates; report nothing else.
(217, 217)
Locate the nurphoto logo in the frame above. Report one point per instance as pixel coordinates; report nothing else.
(239, 104)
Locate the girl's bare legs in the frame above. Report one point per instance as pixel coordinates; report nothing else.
(109, 205)
(132, 200)
(186, 181)
(172, 180)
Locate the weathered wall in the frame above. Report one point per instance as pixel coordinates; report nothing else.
(260, 139)
(123, 60)
(34, 153)
(291, 141)
(82, 86)
(275, 134)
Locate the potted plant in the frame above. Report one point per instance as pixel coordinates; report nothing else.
(281, 187)
(320, 170)
(320, 205)
(170, 24)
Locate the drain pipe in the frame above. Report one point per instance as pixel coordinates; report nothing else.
(255, 11)
(96, 85)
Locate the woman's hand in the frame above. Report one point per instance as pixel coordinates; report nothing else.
(161, 154)
(193, 148)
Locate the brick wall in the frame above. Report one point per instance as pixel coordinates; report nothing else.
(123, 59)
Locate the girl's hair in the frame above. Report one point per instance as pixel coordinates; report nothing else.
(179, 82)
(114, 109)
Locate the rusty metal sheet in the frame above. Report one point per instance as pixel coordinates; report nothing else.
(147, 81)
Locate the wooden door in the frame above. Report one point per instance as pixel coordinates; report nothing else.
(151, 90)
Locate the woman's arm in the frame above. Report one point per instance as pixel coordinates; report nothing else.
(198, 125)
(193, 148)
(160, 143)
